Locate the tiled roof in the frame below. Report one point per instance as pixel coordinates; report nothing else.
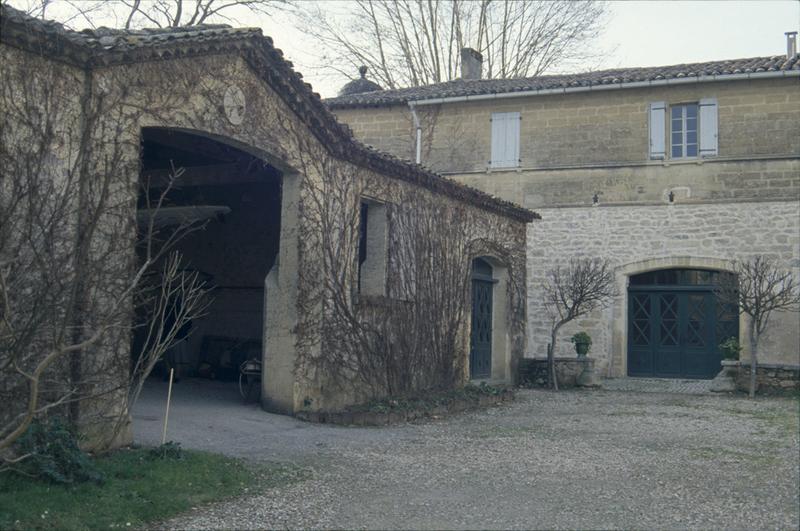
(618, 76)
(105, 46)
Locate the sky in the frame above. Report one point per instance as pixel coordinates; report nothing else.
(638, 33)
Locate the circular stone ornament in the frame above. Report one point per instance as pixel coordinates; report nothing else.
(234, 103)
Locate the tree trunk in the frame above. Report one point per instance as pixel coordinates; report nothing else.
(753, 360)
(551, 362)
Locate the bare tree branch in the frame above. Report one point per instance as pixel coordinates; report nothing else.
(571, 291)
(418, 42)
(759, 288)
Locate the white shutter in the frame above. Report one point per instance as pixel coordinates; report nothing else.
(658, 111)
(512, 139)
(498, 140)
(505, 140)
(708, 127)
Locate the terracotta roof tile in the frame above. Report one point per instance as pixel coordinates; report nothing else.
(475, 87)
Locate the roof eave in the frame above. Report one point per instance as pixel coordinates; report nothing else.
(745, 76)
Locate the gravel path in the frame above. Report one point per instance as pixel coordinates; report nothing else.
(574, 459)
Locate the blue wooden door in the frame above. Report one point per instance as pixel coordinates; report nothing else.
(480, 355)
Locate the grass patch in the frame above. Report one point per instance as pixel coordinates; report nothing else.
(785, 421)
(138, 489)
(723, 454)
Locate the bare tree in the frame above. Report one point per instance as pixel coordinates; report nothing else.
(130, 14)
(759, 288)
(571, 291)
(418, 42)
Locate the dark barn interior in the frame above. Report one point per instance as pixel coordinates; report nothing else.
(233, 199)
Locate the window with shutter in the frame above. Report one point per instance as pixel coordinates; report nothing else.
(505, 140)
(693, 129)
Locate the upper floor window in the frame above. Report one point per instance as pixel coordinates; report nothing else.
(683, 130)
(505, 140)
(691, 129)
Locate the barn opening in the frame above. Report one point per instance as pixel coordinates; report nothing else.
(231, 199)
(676, 322)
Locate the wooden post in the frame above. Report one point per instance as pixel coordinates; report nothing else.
(166, 414)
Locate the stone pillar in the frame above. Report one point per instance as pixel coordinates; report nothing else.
(280, 308)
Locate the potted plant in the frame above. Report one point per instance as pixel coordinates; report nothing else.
(730, 349)
(582, 343)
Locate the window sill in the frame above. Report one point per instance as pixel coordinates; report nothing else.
(498, 169)
(686, 160)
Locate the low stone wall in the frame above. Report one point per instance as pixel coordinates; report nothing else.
(383, 418)
(533, 371)
(770, 377)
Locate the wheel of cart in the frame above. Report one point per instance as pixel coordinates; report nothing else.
(250, 380)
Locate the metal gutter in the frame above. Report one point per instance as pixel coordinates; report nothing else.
(611, 86)
(418, 144)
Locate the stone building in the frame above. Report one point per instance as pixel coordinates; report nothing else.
(319, 251)
(669, 172)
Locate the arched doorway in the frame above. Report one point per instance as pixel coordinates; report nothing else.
(480, 353)
(676, 323)
(230, 202)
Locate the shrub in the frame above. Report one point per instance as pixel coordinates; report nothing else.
(168, 450)
(581, 337)
(730, 348)
(54, 455)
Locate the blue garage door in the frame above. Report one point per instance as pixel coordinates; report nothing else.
(676, 323)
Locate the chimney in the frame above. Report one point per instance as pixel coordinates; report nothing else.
(791, 44)
(471, 62)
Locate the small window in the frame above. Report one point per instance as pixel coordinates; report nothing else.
(683, 121)
(505, 140)
(372, 248)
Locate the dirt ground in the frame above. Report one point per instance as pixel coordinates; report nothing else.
(573, 459)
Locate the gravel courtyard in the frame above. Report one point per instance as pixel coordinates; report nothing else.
(574, 459)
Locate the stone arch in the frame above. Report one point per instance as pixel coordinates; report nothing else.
(267, 156)
(618, 360)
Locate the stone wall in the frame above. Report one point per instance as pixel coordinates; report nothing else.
(45, 104)
(771, 378)
(648, 182)
(641, 238)
(389, 129)
(534, 373)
